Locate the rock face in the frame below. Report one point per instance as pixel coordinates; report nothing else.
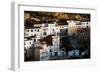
(52, 16)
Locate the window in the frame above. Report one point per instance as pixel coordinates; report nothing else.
(66, 30)
(86, 26)
(57, 33)
(31, 30)
(30, 42)
(34, 40)
(44, 33)
(27, 30)
(38, 30)
(50, 50)
(87, 22)
(55, 53)
(24, 44)
(60, 33)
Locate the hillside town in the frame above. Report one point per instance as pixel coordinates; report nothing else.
(56, 36)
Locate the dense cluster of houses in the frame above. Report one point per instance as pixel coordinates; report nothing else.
(45, 39)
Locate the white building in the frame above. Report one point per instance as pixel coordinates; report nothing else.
(33, 32)
(43, 52)
(41, 32)
(50, 30)
(44, 32)
(28, 43)
(85, 24)
(73, 25)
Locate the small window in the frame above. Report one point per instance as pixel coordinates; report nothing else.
(57, 33)
(30, 42)
(27, 30)
(66, 30)
(34, 40)
(38, 30)
(31, 30)
(44, 33)
(87, 26)
(87, 22)
(50, 50)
